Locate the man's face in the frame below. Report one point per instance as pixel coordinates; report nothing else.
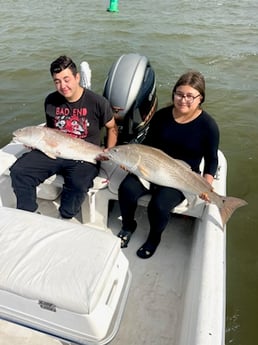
(67, 84)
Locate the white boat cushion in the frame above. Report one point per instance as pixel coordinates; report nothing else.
(52, 187)
(53, 260)
(6, 161)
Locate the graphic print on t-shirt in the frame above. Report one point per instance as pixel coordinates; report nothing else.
(73, 121)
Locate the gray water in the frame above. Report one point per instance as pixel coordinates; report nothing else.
(217, 37)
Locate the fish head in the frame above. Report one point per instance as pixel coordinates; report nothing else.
(28, 136)
(125, 155)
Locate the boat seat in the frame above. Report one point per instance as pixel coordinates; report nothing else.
(52, 187)
(105, 189)
(193, 206)
(94, 210)
(66, 280)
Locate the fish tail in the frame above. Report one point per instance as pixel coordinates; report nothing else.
(230, 204)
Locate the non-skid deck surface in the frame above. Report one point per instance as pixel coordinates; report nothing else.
(11, 334)
(154, 307)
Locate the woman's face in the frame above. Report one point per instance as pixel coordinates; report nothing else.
(186, 99)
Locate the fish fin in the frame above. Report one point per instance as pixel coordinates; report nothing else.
(183, 163)
(143, 172)
(145, 183)
(191, 198)
(230, 204)
(50, 155)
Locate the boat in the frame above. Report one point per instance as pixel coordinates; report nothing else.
(176, 297)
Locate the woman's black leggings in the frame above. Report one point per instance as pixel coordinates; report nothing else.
(163, 200)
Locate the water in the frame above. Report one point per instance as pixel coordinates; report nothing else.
(217, 37)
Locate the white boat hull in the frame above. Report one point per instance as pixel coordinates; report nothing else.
(177, 297)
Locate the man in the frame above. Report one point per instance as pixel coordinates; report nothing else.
(79, 112)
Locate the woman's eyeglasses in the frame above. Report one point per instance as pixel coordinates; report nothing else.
(188, 97)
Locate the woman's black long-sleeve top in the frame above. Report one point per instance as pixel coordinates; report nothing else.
(189, 142)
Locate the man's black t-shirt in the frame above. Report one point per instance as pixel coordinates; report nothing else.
(82, 119)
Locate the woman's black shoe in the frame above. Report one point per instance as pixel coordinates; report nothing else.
(125, 237)
(146, 250)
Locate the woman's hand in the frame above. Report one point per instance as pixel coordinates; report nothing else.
(204, 196)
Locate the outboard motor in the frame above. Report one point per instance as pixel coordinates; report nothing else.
(130, 88)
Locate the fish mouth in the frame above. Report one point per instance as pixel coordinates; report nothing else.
(110, 151)
(102, 156)
(109, 155)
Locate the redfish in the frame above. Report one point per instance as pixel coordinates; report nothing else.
(159, 168)
(55, 143)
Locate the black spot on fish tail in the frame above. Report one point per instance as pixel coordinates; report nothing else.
(230, 204)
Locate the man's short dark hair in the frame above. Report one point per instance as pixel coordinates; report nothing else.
(62, 63)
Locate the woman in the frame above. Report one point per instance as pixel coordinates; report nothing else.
(184, 131)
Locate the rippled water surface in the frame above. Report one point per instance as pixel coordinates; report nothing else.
(217, 37)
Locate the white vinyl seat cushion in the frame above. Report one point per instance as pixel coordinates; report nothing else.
(53, 260)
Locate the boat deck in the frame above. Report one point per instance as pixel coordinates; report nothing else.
(156, 299)
(153, 311)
